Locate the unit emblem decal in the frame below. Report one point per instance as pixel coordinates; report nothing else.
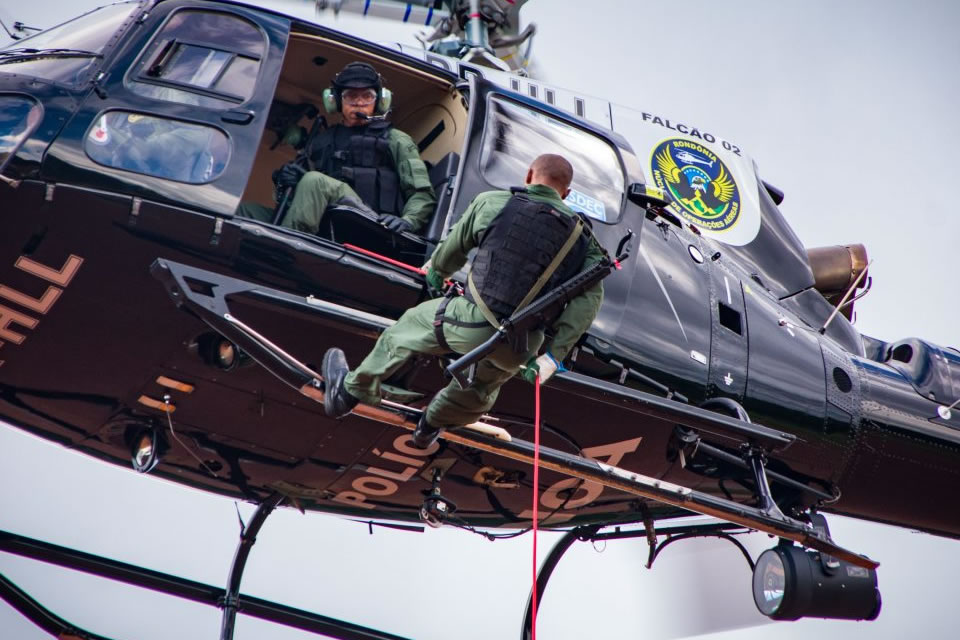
(700, 185)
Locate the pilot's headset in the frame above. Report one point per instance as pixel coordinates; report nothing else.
(357, 75)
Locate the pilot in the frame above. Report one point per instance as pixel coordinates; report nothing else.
(363, 162)
(517, 236)
(154, 146)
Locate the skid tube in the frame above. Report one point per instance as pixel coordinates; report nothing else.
(591, 533)
(170, 585)
(35, 612)
(209, 303)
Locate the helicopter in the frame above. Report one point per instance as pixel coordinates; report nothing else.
(779, 312)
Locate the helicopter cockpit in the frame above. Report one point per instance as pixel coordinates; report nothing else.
(504, 137)
(220, 61)
(427, 106)
(183, 110)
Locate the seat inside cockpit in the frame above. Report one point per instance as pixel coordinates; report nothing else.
(425, 105)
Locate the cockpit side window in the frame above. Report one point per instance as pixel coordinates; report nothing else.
(202, 58)
(160, 147)
(514, 135)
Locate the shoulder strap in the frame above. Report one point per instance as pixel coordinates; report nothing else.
(321, 148)
(477, 300)
(380, 128)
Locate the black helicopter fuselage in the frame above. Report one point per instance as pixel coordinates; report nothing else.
(94, 352)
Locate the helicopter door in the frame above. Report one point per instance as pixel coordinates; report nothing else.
(507, 131)
(786, 376)
(728, 334)
(178, 114)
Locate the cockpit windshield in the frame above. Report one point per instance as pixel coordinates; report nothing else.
(515, 134)
(63, 53)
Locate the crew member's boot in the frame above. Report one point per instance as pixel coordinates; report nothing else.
(337, 402)
(425, 434)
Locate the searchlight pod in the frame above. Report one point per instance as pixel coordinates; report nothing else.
(790, 582)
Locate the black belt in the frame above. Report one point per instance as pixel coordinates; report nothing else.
(440, 318)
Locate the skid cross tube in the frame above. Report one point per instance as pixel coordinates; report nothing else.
(758, 466)
(248, 537)
(546, 570)
(591, 533)
(702, 448)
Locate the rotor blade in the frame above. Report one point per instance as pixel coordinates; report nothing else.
(513, 15)
(422, 12)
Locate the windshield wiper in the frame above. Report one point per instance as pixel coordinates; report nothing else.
(25, 53)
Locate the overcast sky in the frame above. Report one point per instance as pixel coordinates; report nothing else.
(849, 107)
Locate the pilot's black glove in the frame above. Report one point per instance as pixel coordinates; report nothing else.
(288, 175)
(394, 223)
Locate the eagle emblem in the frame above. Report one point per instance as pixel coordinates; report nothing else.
(701, 187)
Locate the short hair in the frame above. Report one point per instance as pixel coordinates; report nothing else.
(553, 168)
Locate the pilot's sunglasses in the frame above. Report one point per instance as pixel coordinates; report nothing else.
(359, 97)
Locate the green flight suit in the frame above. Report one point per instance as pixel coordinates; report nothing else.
(316, 191)
(465, 326)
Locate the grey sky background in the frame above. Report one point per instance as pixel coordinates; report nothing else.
(849, 107)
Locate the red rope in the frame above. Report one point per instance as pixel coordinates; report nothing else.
(536, 499)
(397, 263)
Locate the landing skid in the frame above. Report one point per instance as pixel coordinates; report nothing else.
(592, 533)
(229, 599)
(205, 295)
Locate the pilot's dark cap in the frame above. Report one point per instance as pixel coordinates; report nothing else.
(357, 75)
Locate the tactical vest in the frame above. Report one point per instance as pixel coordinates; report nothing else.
(360, 156)
(515, 250)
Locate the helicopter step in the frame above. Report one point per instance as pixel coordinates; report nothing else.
(696, 454)
(699, 456)
(206, 295)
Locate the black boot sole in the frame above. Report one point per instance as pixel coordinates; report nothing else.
(337, 402)
(425, 434)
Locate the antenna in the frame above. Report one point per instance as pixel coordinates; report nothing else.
(18, 26)
(843, 301)
(9, 33)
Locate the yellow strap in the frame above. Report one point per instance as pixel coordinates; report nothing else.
(477, 300)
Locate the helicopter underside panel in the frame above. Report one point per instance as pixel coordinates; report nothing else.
(94, 379)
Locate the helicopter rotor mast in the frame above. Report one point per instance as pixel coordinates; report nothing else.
(480, 32)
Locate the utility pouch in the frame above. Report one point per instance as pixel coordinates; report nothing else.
(519, 341)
